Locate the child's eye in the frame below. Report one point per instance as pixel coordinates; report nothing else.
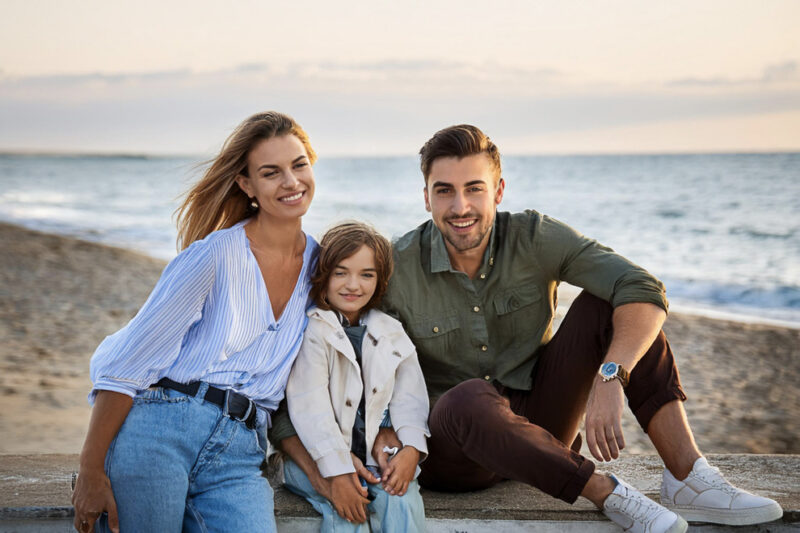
(368, 275)
(339, 273)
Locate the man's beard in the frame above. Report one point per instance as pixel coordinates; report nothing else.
(460, 242)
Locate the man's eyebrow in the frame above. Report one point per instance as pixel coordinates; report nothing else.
(468, 184)
(295, 160)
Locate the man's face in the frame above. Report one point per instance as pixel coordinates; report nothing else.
(461, 195)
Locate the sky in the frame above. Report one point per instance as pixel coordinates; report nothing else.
(379, 77)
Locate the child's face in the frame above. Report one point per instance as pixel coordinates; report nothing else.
(352, 283)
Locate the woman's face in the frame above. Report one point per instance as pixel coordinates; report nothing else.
(279, 177)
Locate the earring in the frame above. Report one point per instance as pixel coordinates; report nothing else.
(253, 203)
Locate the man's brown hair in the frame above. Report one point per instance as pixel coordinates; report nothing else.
(339, 243)
(458, 141)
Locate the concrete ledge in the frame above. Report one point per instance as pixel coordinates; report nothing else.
(35, 496)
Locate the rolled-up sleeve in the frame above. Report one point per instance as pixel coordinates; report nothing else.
(585, 263)
(131, 359)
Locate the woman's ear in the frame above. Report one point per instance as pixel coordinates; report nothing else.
(244, 184)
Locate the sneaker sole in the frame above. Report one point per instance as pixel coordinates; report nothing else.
(680, 526)
(741, 517)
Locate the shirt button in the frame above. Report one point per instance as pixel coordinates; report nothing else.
(436, 329)
(484, 348)
(476, 308)
(483, 276)
(487, 378)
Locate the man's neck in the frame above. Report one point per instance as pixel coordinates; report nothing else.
(467, 261)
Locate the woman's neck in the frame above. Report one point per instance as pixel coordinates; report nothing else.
(283, 236)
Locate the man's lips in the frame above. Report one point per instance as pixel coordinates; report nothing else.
(462, 224)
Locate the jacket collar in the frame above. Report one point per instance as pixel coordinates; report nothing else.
(378, 324)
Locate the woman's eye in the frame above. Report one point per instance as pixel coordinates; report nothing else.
(301, 165)
(269, 174)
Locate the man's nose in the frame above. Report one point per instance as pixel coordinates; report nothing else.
(460, 204)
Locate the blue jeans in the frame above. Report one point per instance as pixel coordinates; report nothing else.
(178, 464)
(387, 513)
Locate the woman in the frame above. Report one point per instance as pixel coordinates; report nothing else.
(183, 394)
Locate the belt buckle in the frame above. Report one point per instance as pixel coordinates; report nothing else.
(226, 407)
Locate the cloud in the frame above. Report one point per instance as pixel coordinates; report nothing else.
(372, 107)
(776, 73)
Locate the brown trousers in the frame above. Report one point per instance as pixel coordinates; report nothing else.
(483, 433)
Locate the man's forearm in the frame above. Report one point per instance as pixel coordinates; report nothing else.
(293, 447)
(636, 326)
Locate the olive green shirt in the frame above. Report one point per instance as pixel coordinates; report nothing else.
(491, 327)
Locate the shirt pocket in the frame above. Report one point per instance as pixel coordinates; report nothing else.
(436, 338)
(517, 313)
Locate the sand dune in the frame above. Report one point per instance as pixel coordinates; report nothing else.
(59, 297)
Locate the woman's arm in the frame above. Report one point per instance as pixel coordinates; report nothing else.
(93, 493)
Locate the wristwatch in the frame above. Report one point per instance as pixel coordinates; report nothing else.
(609, 371)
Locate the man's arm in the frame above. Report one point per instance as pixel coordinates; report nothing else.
(636, 326)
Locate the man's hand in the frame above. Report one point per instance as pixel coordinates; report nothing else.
(349, 498)
(604, 419)
(403, 465)
(386, 438)
(92, 496)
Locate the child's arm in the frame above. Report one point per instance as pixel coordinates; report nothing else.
(409, 411)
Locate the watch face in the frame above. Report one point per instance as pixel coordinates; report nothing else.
(609, 369)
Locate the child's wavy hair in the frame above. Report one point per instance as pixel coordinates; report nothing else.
(339, 243)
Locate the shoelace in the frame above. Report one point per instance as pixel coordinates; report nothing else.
(637, 508)
(713, 477)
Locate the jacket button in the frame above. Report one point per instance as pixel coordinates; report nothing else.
(348, 403)
(374, 391)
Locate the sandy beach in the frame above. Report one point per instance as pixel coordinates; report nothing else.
(59, 297)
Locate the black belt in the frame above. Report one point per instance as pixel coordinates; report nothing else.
(234, 405)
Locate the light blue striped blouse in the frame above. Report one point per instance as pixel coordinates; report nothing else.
(209, 319)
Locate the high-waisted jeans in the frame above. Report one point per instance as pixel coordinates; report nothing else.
(178, 464)
(482, 433)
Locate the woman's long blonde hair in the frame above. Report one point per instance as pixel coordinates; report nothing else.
(216, 201)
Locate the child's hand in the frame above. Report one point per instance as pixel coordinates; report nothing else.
(362, 471)
(349, 498)
(386, 438)
(400, 471)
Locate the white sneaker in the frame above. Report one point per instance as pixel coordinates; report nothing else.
(706, 496)
(637, 513)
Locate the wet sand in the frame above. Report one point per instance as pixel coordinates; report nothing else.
(59, 297)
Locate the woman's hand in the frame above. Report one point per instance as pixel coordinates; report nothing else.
(93, 493)
(92, 496)
(402, 468)
(349, 498)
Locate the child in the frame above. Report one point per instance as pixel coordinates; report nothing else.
(357, 371)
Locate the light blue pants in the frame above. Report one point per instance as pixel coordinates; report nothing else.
(177, 464)
(388, 514)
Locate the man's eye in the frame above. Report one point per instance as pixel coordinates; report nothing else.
(443, 190)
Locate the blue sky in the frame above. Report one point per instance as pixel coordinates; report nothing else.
(374, 78)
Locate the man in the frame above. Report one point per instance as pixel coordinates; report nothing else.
(476, 291)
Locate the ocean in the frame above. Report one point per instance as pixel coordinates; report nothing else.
(722, 231)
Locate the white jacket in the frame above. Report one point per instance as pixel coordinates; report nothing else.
(325, 388)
